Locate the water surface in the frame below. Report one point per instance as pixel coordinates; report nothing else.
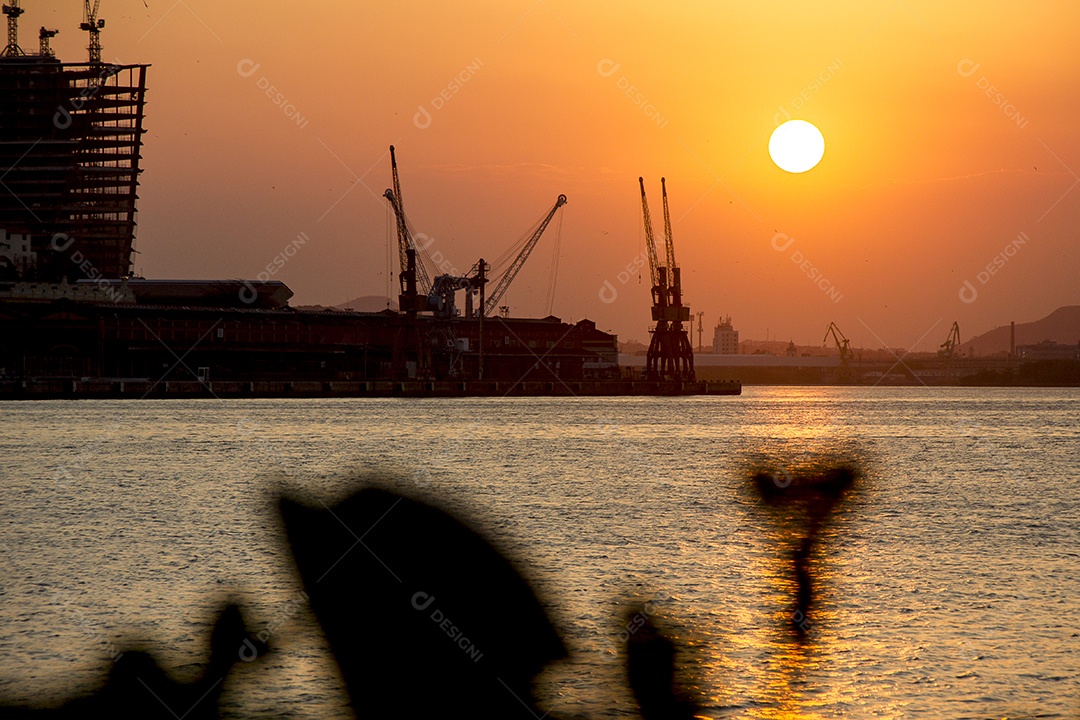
(950, 579)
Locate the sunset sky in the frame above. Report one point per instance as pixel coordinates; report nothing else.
(950, 130)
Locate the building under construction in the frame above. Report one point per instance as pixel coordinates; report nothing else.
(69, 158)
(77, 323)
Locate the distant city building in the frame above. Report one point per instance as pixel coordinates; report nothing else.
(1048, 350)
(725, 338)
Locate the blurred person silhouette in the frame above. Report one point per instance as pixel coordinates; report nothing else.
(138, 688)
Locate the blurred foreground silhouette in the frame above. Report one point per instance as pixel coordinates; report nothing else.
(424, 617)
(803, 505)
(651, 663)
(138, 688)
(422, 613)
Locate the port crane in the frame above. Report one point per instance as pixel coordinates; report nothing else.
(94, 25)
(951, 346)
(409, 342)
(843, 346)
(419, 293)
(413, 276)
(13, 11)
(670, 356)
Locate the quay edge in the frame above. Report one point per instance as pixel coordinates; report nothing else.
(106, 389)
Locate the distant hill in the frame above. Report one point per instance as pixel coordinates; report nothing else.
(368, 303)
(1062, 325)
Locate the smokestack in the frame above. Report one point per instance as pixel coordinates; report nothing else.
(1012, 339)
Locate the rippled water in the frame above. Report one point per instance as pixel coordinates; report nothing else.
(950, 580)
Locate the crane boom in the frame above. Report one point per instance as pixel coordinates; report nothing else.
(674, 279)
(650, 241)
(515, 267)
(668, 241)
(399, 210)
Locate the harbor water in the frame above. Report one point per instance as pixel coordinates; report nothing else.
(948, 583)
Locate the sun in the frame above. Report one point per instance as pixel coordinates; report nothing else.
(796, 146)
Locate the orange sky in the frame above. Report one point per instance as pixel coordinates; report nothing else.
(926, 176)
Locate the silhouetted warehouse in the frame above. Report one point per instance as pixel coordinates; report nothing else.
(70, 339)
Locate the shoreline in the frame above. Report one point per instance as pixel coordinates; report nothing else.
(135, 389)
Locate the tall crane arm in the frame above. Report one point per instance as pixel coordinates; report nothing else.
(668, 241)
(405, 240)
(674, 279)
(650, 241)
